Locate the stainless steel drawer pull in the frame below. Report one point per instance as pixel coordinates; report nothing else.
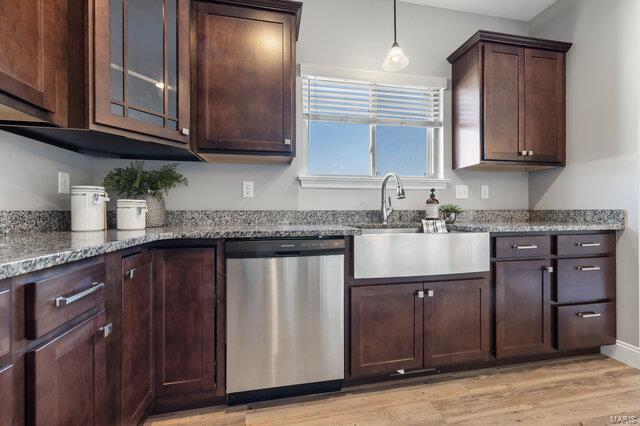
(61, 302)
(588, 244)
(106, 330)
(130, 273)
(589, 314)
(588, 268)
(420, 294)
(527, 247)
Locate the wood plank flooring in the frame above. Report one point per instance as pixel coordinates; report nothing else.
(583, 390)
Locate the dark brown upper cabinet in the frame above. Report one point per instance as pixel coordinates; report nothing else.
(33, 54)
(141, 68)
(246, 79)
(508, 102)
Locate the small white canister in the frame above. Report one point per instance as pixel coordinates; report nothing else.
(132, 215)
(88, 208)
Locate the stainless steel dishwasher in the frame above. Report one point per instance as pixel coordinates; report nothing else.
(285, 317)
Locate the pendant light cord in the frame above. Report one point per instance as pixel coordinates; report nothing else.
(395, 23)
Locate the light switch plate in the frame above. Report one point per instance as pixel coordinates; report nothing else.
(63, 183)
(247, 189)
(484, 189)
(462, 192)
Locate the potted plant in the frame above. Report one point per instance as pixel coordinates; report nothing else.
(135, 182)
(450, 212)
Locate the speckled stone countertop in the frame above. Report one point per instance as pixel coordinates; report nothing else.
(533, 227)
(24, 253)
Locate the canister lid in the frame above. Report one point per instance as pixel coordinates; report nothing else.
(132, 203)
(86, 190)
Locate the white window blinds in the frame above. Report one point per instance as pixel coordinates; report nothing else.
(353, 101)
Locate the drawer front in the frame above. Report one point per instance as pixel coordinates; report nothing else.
(6, 395)
(585, 280)
(533, 246)
(586, 326)
(5, 323)
(586, 244)
(54, 301)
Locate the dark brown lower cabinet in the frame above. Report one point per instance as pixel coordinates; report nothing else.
(6, 395)
(387, 329)
(523, 308)
(457, 322)
(185, 321)
(67, 377)
(137, 336)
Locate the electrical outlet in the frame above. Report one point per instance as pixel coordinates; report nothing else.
(63, 183)
(247, 189)
(484, 189)
(462, 192)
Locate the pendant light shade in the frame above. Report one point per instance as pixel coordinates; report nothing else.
(396, 59)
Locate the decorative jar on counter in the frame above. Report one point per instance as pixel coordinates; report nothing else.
(88, 208)
(132, 215)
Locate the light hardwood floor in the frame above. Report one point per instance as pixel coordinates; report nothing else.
(585, 390)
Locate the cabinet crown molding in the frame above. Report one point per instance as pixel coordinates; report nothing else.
(510, 39)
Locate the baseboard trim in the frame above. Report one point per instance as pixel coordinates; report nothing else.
(623, 352)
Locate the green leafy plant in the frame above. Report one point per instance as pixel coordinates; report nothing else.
(134, 181)
(450, 208)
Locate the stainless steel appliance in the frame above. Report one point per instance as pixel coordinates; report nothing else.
(285, 317)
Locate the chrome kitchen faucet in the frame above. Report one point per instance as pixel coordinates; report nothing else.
(385, 208)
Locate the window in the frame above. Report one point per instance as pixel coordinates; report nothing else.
(366, 128)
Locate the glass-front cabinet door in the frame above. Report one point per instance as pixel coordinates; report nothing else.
(141, 66)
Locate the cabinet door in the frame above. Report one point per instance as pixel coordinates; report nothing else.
(6, 395)
(387, 329)
(246, 79)
(457, 322)
(522, 308)
(66, 378)
(185, 322)
(27, 51)
(503, 102)
(545, 105)
(137, 336)
(142, 66)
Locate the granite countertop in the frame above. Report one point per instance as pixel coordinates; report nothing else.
(533, 227)
(24, 253)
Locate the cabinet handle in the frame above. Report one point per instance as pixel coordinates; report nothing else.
(130, 273)
(549, 269)
(523, 153)
(530, 154)
(185, 131)
(430, 293)
(61, 302)
(588, 244)
(589, 314)
(106, 330)
(587, 268)
(287, 142)
(420, 294)
(527, 247)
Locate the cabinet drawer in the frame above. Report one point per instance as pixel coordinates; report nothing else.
(5, 323)
(534, 246)
(586, 244)
(54, 301)
(6, 395)
(585, 280)
(586, 326)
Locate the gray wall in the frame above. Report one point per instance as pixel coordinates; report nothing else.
(356, 34)
(29, 174)
(602, 128)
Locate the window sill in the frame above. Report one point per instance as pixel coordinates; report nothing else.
(358, 182)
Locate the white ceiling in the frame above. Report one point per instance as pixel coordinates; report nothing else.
(523, 10)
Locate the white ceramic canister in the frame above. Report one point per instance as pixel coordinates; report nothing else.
(88, 208)
(132, 215)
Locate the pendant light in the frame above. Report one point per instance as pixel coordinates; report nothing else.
(396, 59)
